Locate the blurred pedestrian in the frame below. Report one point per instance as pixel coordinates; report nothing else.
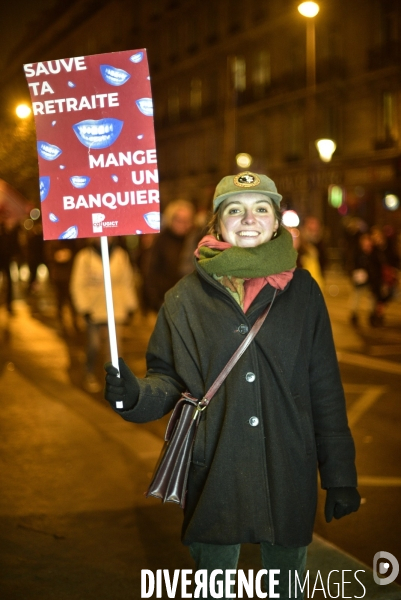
(187, 264)
(385, 249)
(280, 412)
(34, 254)
(353, 228)
(166, 251)
(9, 250)
(308, 257)
(59, 256)
(363, 273)
(312, 232)
(142, 261)
(87, 291)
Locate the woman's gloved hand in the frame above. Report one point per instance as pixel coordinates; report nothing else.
(341, 501)
(121, 389)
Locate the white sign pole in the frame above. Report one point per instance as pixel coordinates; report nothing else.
(109, 305)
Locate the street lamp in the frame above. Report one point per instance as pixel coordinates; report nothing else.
(23, 111)
(326, 149)
(243, 160)
(310, 10)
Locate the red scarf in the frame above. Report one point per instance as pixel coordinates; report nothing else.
(252, 286)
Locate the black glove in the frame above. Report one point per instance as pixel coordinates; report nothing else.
(341, 501)
(121, 389)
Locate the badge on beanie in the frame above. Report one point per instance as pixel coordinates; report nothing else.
(246, 180)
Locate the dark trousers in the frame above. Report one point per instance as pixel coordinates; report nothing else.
(213, 556)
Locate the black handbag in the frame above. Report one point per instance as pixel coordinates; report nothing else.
(169, 481)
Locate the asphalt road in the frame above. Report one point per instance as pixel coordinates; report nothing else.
(74, 523)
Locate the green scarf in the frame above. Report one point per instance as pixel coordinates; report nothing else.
(271, 258)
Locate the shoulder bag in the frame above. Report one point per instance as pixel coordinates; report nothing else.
(169, 481)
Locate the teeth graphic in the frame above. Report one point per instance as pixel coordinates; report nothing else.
(145, 105)
(69, 234)
(71, 84)
(140, 136)
(136, 58)
(53, 123)
(79, 181)
(44, 187)
(153, 219)
(98, 134)
(114, 178)
(53, 218)
(114, 76)
(138, 231)
(62, 166)
(48, 151)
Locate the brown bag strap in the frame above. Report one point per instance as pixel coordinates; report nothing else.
(236, 356)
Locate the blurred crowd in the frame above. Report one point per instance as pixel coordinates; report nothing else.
(370, 257)
(144, 267)
(372, 260)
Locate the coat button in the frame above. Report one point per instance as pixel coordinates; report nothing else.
(250, 377)
(243, 329)
(254, 421)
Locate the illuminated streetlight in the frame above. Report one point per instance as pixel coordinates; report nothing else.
(243, 160)
(325, 148)
(23, 111)
(308, 9)
(391, 201)
(290, 218)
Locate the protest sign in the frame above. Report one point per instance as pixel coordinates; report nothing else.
(96, 146)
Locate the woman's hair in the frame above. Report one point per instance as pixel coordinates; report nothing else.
(213, 225)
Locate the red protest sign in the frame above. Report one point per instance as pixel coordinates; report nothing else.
(96, 145)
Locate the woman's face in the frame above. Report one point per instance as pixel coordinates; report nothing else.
(247, 220)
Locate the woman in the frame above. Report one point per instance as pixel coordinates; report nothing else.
(87, 291)
(280, 412)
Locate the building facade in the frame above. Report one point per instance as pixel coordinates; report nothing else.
(230, 77)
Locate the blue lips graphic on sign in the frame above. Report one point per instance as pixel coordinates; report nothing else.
(98, 134)
(136, 58)
(44, 187)
(79, 181)
(48, 151)
(114, 76)
(69, 234)
(53, 218)
(153, 219)
(145, 105)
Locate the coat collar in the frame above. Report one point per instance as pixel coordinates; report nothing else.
(262, 299)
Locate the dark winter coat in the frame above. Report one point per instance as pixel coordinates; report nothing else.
(252, 480)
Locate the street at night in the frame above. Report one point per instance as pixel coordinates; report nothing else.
(171, 175)
(74, 520)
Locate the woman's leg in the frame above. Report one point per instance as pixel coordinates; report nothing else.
(214, 556)
(287, 560)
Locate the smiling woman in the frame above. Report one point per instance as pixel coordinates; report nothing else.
(280, 411)
(248, 220)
